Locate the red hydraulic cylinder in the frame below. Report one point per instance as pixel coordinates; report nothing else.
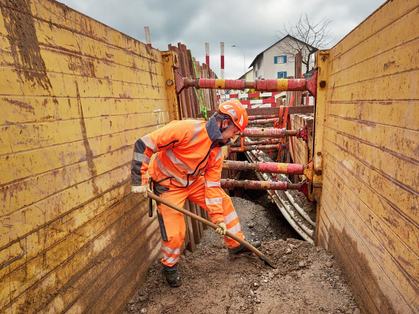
(270, 167)
(263, 185)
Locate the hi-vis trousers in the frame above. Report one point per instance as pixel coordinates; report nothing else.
(172, 223)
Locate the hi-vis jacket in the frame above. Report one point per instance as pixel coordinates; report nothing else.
(185, 150)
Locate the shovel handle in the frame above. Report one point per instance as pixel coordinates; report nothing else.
(208, 223)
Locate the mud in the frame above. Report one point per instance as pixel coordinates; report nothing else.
(307, 278)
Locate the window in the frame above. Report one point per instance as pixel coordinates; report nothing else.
(280, 59)
(258, 65)
(282, 74)
(256, 74)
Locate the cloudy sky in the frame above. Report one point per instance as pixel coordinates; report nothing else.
(251, 25)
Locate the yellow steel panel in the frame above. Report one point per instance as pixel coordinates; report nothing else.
(48, 233)
(169, 59)
(368, 247)
(389, 13)
(57, 256)
(398, 113)
(401, 59)
(398, 140)
(388, 227)
(21, 165)
(20, 194)
(21, 109)
(392, 165)
(399, 195)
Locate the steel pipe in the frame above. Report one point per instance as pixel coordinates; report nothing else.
(270, 167)
(263, 185)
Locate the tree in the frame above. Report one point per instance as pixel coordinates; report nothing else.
(310, 37)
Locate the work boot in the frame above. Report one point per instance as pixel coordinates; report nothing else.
(241, 250)
(172, 275)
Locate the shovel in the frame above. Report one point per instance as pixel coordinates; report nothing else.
(212, 225)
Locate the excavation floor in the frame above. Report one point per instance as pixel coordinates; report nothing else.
(307, 278)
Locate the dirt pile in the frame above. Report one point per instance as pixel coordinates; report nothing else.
(307, 279)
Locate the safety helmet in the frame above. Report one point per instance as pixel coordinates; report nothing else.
(235, 110)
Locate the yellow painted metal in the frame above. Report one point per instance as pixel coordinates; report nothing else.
(322, 65)
(220, 83)
(170, 61)
(282, 85)
(68, 125)
(368, 109)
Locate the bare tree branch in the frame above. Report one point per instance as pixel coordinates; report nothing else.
(311, 37)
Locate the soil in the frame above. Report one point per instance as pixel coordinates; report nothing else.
(307, 278)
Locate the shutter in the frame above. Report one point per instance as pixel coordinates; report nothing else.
(285, 60)
(275, 60)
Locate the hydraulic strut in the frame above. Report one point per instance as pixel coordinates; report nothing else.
(264, 185)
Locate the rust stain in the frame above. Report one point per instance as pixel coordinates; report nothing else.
(388, 65)
(21, 105)
(24, 43)
(85, 67)
(89, 152)
(368, 294)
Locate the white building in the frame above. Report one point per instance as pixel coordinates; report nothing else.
(277, 61)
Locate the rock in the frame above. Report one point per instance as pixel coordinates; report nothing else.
(288, 251)
(329, 264)
(301, 264)
(356, 311)
(143, 310)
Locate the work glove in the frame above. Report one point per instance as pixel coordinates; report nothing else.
(222, 228)
(139, 189)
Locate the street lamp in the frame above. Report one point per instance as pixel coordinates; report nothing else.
(244, 60)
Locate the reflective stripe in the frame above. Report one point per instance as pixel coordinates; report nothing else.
(214, 201)
(169, 174)
(220, 151)
(170, 260)
(211, 184)
(176, 161)
(230, 217)
(149, 143)
(196, 131)
(141, 158)
(168, 250)
(235, 229)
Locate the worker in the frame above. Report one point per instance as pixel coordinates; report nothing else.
(188, 166)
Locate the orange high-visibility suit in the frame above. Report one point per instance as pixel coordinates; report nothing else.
(187, 166)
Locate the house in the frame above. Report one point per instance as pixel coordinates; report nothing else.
(277, 61)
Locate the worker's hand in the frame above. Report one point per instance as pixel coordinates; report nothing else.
(222, 228)
(139, 189)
